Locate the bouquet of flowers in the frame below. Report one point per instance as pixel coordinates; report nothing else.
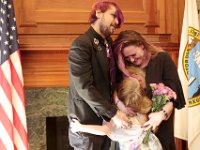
(161, 95)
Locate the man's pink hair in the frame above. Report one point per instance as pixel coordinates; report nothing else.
(104, 6)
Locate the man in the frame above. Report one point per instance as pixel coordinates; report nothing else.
(91, 71)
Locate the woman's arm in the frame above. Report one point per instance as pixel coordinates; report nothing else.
(120, 105)
(104, 129)
(167, 110)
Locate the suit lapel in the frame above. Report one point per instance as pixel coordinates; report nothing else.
(100, 54)
(102, 58)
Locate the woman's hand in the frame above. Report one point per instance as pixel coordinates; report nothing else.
(154, 121)
(140, 78)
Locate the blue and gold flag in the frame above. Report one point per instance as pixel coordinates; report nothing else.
(187, 120)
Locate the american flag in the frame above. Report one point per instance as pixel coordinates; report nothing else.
(13, 129)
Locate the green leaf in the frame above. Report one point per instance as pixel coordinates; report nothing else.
(146, 138)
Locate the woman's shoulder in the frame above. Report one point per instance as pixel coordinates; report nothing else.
(162, 56)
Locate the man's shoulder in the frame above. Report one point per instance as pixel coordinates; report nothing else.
(83, 39)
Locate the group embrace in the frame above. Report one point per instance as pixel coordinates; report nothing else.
(113, 88)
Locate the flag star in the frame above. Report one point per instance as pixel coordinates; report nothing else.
(4, 52)
(11, 37)
(9, 6)
(14, 19)
(2, 21)
(7, 33)
(8, 15)
(0, 38)
(1, 29)
(6, 42)
(13, 28)
(5, 2)
(10, 46)
(3, 11)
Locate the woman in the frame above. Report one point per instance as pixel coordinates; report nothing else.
(131, 49)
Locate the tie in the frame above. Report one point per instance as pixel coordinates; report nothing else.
(112, 68)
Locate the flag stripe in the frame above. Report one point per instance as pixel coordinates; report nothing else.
(19, 103)
(20, 128)
(6, 123)
(5, 85)
(15, 57)
(2, 146)
(6, 104)
(18, 106)
(15, 148)
(17, 83)
(8, 143)
(19, 142)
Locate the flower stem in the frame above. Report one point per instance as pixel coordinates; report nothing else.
(146, 138)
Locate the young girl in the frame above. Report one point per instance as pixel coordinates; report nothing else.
(131, 94)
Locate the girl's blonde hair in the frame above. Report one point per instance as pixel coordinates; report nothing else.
(132, 95)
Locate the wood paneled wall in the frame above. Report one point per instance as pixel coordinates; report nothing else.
(46, 29)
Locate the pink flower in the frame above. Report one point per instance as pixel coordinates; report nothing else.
(161, 89)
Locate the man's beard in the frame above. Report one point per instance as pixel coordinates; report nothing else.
(105, 30)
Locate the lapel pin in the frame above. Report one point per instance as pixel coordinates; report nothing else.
(99, 48)
(96, 41)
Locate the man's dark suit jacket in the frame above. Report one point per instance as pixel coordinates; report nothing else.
(89, 97)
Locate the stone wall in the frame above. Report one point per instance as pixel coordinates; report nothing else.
(42, 103)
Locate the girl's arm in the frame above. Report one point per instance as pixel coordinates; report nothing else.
(104, 129)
